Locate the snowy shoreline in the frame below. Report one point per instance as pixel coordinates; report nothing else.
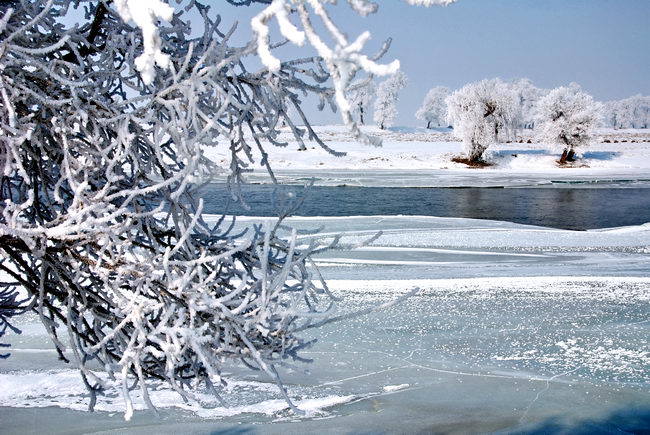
(416, 157)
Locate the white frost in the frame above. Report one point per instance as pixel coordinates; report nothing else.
(391, 388)
(145, 14)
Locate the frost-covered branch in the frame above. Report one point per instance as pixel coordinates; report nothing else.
(102, 132)
(10, 306)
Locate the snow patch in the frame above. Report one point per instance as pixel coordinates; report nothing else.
(65, 389)
(391, 388)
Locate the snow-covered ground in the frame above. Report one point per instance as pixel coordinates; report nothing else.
(417, 157)
(514, 326)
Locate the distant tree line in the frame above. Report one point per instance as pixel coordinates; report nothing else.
(492, 111)
(632, 112)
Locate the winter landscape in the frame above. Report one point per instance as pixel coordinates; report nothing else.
(188, 244)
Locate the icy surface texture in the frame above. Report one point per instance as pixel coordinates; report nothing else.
(487, 344)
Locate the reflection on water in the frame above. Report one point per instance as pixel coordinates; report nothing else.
(569, 208)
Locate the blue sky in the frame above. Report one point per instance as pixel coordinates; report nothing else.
(604, 45)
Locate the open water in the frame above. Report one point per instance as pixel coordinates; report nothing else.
(571, 208)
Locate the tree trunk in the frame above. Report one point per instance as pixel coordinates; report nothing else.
(428, 124)
(568, 155)
(476, 153)
(361, 114)
(571, 156)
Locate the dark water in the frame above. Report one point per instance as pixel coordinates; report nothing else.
(569, 208)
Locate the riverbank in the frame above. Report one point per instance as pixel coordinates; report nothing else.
(615, 153)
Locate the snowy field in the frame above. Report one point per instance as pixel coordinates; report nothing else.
(513, 328)
(417, 157)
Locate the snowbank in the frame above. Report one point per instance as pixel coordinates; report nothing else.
(419, 148)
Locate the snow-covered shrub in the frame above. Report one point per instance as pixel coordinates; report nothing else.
(434, 107)
(386, 100)
(482, 114)
(102, 130)
(567, 117)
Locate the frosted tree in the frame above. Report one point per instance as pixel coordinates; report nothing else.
(102, 130)
(617, 114)
(482, 114)
(567, 117)
(360, 96)
(434, 107)
(387, 98)
(526, 97)
(641, 111)
(632, 112)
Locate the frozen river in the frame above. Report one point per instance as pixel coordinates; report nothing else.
(514, 329)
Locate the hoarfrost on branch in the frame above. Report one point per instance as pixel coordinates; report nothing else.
(102, 131)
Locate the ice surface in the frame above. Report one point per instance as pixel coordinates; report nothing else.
(513, 326)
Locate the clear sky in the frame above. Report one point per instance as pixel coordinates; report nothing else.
(604, 45)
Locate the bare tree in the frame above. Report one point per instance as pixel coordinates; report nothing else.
(102, 131)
